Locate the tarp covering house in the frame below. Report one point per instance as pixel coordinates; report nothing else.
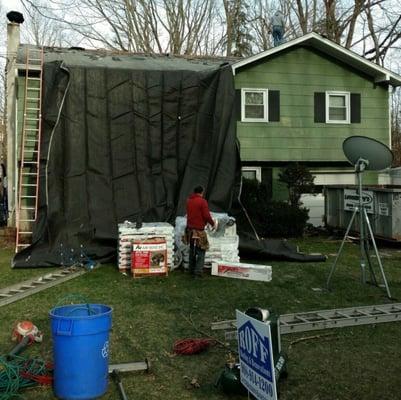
(127, 137)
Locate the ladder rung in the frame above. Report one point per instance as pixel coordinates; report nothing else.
(36, 89)
(28, 208)
(25, 233)
(380, 310)
(28, 197)
(32, 119)
(301, 318)
(27, 220)
(28, 184)
(29, 162)
(360, 312)
(33, 98)
(32, 109)
(33, 79)
(23, 245)
(340, 314)
(29, 174)
(15, 291)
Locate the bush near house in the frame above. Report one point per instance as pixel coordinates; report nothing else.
(270, 218)
(299, 180)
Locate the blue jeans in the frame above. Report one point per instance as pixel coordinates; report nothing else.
(278, 33)
(196, 259)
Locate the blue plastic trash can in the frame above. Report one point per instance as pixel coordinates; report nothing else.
(80, 335)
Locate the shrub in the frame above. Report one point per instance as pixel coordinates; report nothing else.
(298, 180)
(269, 218)
(284, 220)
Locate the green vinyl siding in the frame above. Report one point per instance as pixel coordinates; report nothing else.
(298, 74)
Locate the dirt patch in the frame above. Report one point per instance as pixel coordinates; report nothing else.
(7, 237)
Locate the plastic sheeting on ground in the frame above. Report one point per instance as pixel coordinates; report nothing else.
(273, 249)
(128, 144)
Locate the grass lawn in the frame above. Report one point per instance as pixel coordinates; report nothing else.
(150, 314)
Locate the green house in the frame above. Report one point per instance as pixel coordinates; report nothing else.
(297, 102)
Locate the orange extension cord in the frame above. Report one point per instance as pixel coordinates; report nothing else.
(192, 346)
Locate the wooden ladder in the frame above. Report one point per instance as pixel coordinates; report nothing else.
(28, 183)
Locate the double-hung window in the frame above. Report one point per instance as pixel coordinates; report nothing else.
(254, 107)
(338, 107)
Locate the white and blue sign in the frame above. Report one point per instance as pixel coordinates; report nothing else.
(256, 357)
(351, 200)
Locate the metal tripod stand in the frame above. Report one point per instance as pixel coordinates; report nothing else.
(363, 237)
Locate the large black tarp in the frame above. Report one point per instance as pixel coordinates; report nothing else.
(127, 144)
(273, 249)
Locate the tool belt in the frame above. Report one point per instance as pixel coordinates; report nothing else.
(199, 238)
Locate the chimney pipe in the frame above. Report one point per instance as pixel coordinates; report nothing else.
(13, 42)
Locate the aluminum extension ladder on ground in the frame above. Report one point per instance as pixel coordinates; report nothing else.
(23, 289)
(29, 156)
(326, 319)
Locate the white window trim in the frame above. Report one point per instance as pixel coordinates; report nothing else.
(265, 100)
(258, 171)
(347, 105)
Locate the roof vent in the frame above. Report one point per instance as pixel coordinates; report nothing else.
(15, 16)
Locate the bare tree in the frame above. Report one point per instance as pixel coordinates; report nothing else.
(237, 36)
(384, 36)
(41, 31)
(175, 26)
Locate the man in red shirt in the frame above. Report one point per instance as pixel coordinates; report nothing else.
(198, 216)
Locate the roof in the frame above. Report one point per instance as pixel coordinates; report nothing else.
(123, 60)
(318, 42)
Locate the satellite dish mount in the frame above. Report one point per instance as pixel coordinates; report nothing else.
(365, 154)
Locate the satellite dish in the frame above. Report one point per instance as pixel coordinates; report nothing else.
(374, 154)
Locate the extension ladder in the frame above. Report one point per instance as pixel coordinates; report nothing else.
(20, 290)
(327, 319)
(28, 183)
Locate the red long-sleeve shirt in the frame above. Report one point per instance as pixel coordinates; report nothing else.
(198, 214)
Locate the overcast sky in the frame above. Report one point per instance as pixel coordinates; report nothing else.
(12, 5)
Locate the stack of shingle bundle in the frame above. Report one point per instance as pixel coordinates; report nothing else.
(127, 233)
(222, 247)
(223, 243)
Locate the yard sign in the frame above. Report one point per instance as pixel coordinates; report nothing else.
(351, 200)
(256, 357)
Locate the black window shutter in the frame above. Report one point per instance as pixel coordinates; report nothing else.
(274, 105)
(320, 107)
(238, 104)
(355, 108)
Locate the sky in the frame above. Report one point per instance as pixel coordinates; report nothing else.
(12, 5)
